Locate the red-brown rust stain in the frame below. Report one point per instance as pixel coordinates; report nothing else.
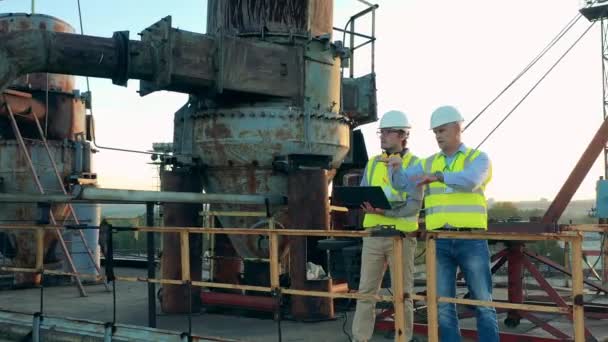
(218, 131)
(283, 134)
(4, 26)
(251, 180)
(62, 27)
(23, 25)
(64, 83)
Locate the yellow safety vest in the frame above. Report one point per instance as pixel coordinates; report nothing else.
(445, 206)
(377, 175)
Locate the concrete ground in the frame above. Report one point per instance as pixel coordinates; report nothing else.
(132, 305)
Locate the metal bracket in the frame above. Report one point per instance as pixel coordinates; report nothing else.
(121, 74)
(294, 162)
(36, 327)
(160, 38)
(578, 300)
(276, 292)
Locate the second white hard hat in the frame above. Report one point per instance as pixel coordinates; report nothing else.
(395, 119)
(445, 115)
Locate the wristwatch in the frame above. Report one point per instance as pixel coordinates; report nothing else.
(439, 176)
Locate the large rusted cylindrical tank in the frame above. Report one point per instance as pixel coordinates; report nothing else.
(244, 141)
(247, 144)
(16, 177)
(66, 117)
(61, 113)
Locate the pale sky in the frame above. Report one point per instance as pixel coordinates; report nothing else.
(428, 54)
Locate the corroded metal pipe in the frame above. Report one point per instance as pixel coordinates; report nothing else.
(98, 195)
(24, 52)
(165, 58)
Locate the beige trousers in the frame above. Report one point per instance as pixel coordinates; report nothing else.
(377, 252)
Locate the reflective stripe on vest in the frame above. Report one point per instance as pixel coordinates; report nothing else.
(445, 206)
(378, 176)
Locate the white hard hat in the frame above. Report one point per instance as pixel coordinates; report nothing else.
(395, 119)
(445, 115)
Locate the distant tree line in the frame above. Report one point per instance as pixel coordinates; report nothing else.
(508, 212)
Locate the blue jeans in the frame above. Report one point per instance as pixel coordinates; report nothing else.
(473, 258)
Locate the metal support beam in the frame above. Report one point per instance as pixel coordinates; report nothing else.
(515, 277)
(99, 195)
(175, 297)
(561, 269)
(596, 146)
(151, 266)
(307, 193)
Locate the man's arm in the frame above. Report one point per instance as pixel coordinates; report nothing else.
(472, 177)
(403, 179)
(411, 206)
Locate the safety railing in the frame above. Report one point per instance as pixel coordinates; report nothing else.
(575, 239)
(273, 235)
(432, 299)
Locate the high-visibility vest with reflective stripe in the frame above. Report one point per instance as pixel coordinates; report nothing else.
(445, 206)
(377, 175)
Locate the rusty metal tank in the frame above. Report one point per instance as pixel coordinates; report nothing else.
(66, 108)
(64, 123)
(10, 22)
(16, 177)
(244, 143)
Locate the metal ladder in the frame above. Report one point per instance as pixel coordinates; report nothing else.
(41, 189)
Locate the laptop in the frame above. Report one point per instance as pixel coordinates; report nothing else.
(352, 197)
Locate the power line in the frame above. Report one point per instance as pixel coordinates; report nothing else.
(91, 109)
(543, 52)
(82, 33)
(535, 85)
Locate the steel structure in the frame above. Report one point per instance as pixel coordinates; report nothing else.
(269, 117)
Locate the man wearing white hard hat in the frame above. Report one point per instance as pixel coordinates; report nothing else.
(455, 179)
(378, 251)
